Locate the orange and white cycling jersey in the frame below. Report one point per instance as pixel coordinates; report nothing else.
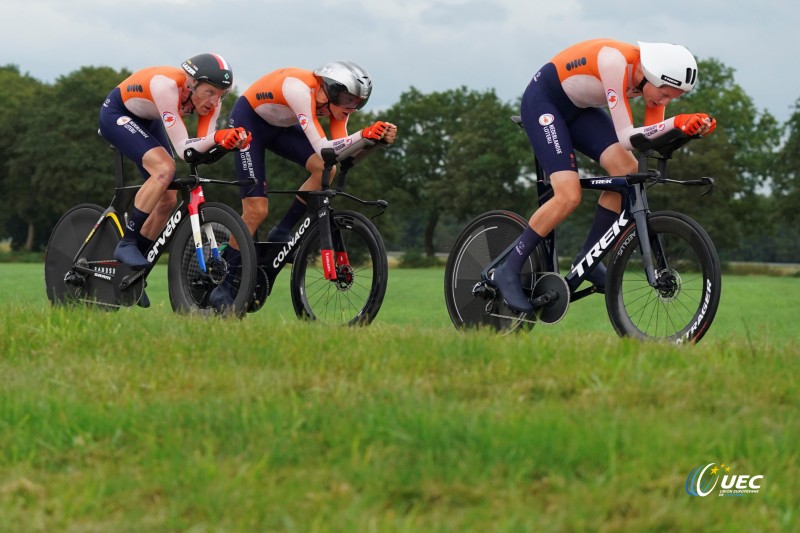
(154, 94)
(286, 97)
(599, 73)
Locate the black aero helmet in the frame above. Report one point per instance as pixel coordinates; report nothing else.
(210, 68)
(345, 83)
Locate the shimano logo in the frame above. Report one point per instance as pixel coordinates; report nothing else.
(289, 245)
(165, 235)
(600, 246)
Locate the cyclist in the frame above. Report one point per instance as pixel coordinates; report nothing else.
(142, 115)
(282, 111)
(562, 112)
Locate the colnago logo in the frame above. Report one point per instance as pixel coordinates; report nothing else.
(599, 247)
(692, 331)
(165, 235)
(289, 245)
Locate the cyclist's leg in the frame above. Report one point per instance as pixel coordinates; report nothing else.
(594, 135)
(293, 145)
(250, 163)
(546, 112)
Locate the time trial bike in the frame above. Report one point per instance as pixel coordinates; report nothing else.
(663, 279)
(339, 264)
(79, 261)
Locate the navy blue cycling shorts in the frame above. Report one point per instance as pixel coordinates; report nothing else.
(131, 135)
(288, 142)
(556, 127)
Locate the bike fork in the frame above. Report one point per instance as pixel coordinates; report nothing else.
(326, 239)
(196, 201)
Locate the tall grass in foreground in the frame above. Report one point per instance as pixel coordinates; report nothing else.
(146, 421)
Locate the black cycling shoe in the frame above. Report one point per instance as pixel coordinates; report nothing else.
(128, 253)
(508, 284)
(220, 298)
(144, 301)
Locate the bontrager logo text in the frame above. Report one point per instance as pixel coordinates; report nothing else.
(600, 246)
(692, 331)
(162, 239)
(289, 245)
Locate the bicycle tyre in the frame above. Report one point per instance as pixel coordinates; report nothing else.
(189, 287)
(684, 308)
(357, 295)
(480, 243)
(66, 239)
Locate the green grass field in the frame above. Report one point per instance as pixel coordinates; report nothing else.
(142, 420)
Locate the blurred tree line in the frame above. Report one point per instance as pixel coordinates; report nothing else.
(457, 155)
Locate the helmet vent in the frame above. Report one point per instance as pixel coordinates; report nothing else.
(691, 75)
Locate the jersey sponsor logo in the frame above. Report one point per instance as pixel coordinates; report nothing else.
(134, 88)
(546, 119)
(303, 120)
(576, 63)
(264, 95)
(612, 98)
(168, 119)
(121, 121)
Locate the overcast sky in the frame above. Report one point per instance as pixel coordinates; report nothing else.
(433, 45)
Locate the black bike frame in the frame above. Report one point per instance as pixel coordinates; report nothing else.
(189, 206)
(634, 209)
(273, 256)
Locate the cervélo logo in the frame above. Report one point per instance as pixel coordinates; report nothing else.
(703, 480)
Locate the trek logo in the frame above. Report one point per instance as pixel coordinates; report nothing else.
(289, 245)
(601, 245)
(671, 81)
(165, 235)
(690, 333)
(601, 182)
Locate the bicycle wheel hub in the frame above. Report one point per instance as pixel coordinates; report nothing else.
(669, 285)
(344, 277)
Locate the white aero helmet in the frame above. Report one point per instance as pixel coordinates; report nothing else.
(668, 64)
(345, 83)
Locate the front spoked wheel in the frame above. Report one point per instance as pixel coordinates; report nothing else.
(683, 304)
(481, 242)
(355, 297)
(189, 286)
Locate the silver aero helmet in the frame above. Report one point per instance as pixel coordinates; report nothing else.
(668, 64)
(345, 83)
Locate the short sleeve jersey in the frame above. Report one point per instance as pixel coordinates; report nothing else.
(286, 97)
(154, 93)
(599, 73)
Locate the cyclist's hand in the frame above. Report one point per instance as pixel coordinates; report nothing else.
(390, 135)
(376, 131)
(691, 123)
(231, 138)
(710, 125)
